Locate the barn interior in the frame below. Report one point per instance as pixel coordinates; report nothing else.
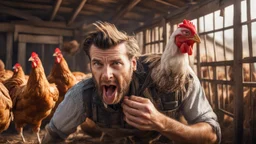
(224, 61)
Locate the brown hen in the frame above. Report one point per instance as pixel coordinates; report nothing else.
(4, 74)
(61, 75)
(5, 108)
(35, 100)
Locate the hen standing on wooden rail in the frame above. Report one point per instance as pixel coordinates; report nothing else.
(35, 100)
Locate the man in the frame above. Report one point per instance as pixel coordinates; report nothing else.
(112, 99)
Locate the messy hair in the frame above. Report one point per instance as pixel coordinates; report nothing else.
(107, 36)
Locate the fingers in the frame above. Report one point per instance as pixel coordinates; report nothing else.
(135, 123)
(139, 99)
(135, 112)
(135, 119)
(133, 104)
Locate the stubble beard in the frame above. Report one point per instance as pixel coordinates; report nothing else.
(122, 90)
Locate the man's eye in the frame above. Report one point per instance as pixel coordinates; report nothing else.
(116, 63)
(97, 64)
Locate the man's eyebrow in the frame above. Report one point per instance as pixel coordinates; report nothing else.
(95, 60)
(114, 60)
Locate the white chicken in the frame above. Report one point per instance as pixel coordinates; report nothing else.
(170, 71)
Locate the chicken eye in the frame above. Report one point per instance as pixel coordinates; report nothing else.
(186, 32)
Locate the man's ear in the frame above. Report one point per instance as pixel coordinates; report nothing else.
(134, 64)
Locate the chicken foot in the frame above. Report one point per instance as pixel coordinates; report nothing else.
(20, 131)
(37, 130)
(38, 137)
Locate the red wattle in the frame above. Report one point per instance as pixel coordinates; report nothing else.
(189, 50)
(185, 48)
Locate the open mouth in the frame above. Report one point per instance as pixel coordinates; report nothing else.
(109, 94)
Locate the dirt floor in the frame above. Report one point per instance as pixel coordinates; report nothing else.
(12, 137)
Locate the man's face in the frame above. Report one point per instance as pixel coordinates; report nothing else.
(112, 71)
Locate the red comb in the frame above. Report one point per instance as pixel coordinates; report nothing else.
(57, 50)
(34, 54)
(188, 24)
(17, 65)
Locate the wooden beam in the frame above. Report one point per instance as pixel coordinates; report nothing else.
(25, 38)
(126, 9)
(6, 27)
(39, 7)
(46, 24)
(18, 13)
(22, 55)
(167, 3)
(152, 5)
(40, 30)
(55, 9)
(190, 12)
(238, 73)
(76, 12)
(9, 47)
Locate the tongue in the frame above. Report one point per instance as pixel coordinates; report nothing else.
(109, 91)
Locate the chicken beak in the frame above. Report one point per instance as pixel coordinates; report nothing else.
(196, 38)
(31, 59)
(54, 54)
(14, 67)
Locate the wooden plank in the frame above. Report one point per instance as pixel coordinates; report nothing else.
(164, 33)
(55, 9)
(144, 42)
(226, 112)
(198, 59)
(167, 3)
(155, 6)
(223, 82)
(238, 89)
(190, 12)
(40, 30)
(46, 24)
(218, 63)
(18, 13)
(6, 27)
(154, 42)
(76, 11)
(252, 98)
(125, 10)
(22, 54)
(38, 7)
(25, 38)
(9, 46)
(94, 8)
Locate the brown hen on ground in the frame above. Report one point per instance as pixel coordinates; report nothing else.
(5, 108)
(35, 100)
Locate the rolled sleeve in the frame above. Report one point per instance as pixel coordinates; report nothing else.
(196, 107)
(70, 113)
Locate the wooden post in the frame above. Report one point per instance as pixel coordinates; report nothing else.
(9, 45)
(22, 54)
(164, 33)
(238, 111)
(144, 42)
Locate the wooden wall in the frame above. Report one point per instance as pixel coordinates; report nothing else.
(18, 41)
(3, 46)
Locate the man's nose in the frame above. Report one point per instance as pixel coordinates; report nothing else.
(107, 73)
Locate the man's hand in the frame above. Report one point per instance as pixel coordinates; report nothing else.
(141, 113)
